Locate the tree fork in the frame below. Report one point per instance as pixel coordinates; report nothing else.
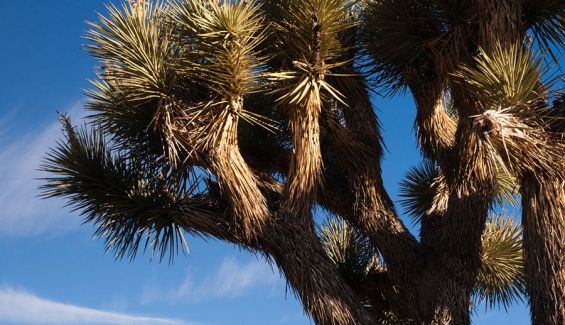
(372, 210)
(298, 253)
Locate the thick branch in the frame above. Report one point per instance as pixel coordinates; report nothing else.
(296, 250)
(209, 216)
(237, 180)
(325, 295)
(357, 149)
(435, 127)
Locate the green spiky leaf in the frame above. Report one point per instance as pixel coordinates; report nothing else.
(501, 278)
(546, 20)
(347, 248)
(506, 189)
(135, 53)
(220, 42)
(505, 77)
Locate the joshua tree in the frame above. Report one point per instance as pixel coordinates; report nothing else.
(235, 119)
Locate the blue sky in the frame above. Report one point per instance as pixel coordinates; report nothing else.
(52, 270)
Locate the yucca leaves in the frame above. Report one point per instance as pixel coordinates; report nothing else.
(501, 277)
(137, 79)
(309, 47)
(508, 82)
(220, 42)
(127, 122)
(507, 187)
(417, 189)
(306, 50)
(505, 76)
(546, 21)
(177, 78)
(133, 50)
(347, 248)
(409, 25)
(308, 34)
(130, 203)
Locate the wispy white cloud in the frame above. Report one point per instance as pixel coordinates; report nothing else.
(20, 307)
(232, 279)
(22, 213)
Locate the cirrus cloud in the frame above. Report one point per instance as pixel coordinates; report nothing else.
(21, 307)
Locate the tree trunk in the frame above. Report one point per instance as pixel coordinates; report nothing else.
(453, 259)
(543, 219)
(325, 296)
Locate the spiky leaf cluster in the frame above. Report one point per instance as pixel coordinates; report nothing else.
(133, 50)
(218, 44)
(177, 78)
(424, 190)
(132, 203)
(348, 249)
(309, 34)
(546, 20)
(505, 76)
(501, 278)
(508, 82)
(418, 191)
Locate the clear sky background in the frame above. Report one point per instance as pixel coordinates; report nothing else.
(51, 269)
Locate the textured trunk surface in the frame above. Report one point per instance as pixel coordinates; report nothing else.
(325, 295)
(442, 298)
(447, 279)
(238, 181)
(543, 219)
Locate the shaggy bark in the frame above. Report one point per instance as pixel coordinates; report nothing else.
(299, 255)
(435, 127)
(543, 219)
(237, 180)
(453, 263)
(372, 209)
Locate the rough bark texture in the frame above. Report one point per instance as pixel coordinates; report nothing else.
(435, 127)
(299, 255)
(304, 173)
(295, 249)
(236, 178)
(543, 219)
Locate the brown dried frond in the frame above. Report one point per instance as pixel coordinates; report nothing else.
(441, 198)
(511, 123)
(518, 141)
(476, 174)
(209, 136)
(307, 50)
(305, 172)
